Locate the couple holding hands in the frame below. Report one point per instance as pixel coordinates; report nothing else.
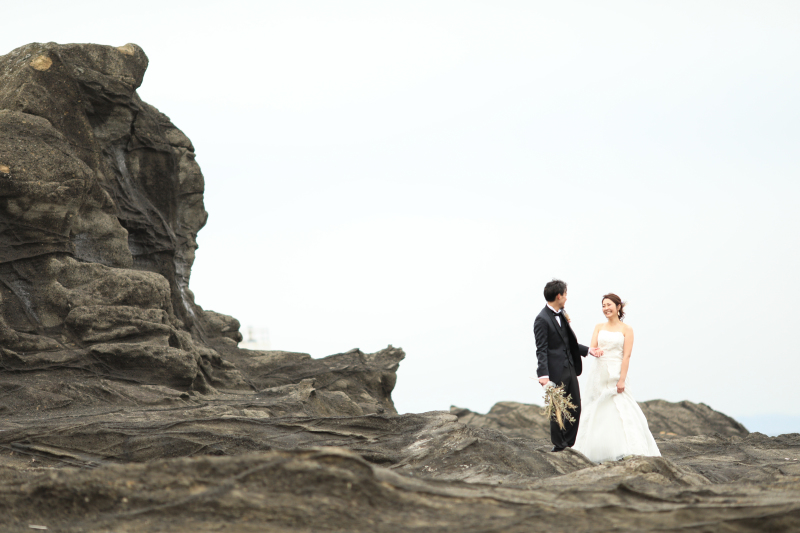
(612, 425)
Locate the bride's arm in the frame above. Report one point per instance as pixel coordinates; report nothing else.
(593, 344)
(627, 348)
(593, 349)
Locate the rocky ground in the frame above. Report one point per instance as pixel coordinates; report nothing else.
(284, 458)
(127, 407)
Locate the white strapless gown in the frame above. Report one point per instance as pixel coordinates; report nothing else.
(612, 425)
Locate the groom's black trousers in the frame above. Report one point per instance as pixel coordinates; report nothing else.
(565, 438)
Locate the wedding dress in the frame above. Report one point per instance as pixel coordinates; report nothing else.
(612, 425)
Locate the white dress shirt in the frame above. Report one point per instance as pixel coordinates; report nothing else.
(558, 314)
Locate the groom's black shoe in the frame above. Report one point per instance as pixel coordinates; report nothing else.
(557, 449)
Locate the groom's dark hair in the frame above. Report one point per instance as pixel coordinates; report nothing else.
(553, 289)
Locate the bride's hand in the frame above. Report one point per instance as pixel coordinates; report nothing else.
(620, 387)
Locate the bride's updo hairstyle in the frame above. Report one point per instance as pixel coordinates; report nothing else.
(618, 302)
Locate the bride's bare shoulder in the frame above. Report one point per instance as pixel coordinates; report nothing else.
(626, 328)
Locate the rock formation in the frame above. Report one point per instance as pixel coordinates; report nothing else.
(127, 407)
(664, 418)
(101, 203)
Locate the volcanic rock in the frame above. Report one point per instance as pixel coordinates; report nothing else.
(686, 418)
(330, 489)
(100, 201)
(665, 419)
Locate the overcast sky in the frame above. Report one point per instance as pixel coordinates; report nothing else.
(412, 173)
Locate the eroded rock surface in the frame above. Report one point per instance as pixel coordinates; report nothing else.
(687, 418)
(666, 419)
(100, 204)
(281, 457)
(331, 489)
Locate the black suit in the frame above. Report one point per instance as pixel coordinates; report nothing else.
(559, 357)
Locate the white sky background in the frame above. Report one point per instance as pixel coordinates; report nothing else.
(413, 173)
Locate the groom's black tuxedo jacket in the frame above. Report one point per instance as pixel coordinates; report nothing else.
(555, 345)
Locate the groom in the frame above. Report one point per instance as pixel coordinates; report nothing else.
(559, 356)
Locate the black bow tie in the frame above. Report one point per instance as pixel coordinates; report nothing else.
(555, 313)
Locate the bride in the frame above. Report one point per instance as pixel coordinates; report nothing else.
(612, 424)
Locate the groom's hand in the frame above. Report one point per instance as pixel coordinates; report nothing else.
(543, 381)
(597, 352)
